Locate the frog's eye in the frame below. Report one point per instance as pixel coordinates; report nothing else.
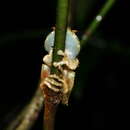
(49, 41)
(72, 44)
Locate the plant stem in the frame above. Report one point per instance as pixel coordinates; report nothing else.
(97, 20)
(61, 25)
(13, 124)
(30, 113)
(52, 99)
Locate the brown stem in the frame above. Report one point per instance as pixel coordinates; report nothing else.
(50, 111)
(52, 99)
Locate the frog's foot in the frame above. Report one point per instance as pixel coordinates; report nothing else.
(53, 82)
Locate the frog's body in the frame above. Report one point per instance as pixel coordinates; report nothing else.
(65, 82)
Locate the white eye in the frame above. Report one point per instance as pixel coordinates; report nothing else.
(72, 44)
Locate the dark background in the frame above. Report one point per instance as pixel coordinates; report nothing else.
(100, 98)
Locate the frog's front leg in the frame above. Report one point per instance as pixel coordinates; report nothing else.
(71, 64)
(62, 83)
(67, 67)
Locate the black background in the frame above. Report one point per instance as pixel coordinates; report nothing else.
(102, 81)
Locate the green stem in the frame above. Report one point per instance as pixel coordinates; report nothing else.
(52, 99)
(60, 32)
(97, 20)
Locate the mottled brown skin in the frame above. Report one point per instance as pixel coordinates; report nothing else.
(62, 84)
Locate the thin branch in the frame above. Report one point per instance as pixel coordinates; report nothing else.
(14, 123)
(52, 99)
(97, 20)
(30, 113)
